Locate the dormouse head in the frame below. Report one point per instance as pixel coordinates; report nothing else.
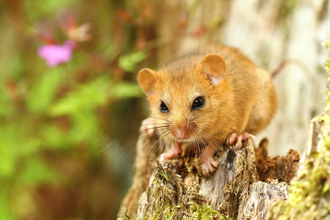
(185, 97)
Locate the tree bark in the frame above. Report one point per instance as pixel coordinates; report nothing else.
(176, 189)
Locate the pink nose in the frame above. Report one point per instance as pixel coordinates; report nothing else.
(181, 133)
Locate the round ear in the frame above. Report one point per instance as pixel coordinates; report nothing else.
(147, 80)
(213, 66)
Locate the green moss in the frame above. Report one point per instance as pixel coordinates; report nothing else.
(309, 195)
(171, 198)
(205, 212)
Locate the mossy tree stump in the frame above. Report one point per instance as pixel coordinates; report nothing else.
(176, 190)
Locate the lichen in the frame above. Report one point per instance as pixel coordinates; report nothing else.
(309, 195)
(171, 198)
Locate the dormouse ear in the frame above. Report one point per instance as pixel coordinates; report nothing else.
(213, 66)
(147, 80)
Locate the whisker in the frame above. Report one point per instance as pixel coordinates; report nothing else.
(106, 147)
(161, 131)
(157, 143)
(201, 140)
(212, 142)
(155, 127)
(138, 153)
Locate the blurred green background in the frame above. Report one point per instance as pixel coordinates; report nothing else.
(60, 157)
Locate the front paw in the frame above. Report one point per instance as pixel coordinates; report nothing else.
(208, 166)
(148, 126)
(174, 151)
(238, 140)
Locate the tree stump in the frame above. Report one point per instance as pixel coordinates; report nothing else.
(176, 189)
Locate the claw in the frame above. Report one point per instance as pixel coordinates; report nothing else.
(239, 139)
(208, 164)
(231, 139)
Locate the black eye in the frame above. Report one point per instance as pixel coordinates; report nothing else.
(163, 107)
(198, 102)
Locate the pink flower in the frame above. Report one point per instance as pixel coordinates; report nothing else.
(55, 54)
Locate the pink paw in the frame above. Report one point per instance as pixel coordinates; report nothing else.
(238, 139)
(148, 126)
(208, 166)
(174, 151)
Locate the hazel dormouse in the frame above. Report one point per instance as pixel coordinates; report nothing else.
(206, 99)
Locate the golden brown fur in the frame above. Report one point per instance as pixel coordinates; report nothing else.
(244, 101)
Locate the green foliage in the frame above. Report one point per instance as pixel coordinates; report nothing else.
(85, 96)
(35, 171)
(53, 117)
(42, 92)
(4, 208)
(128, 62)
(38, 8)
(5, 106)
(8, 150)
(124, 90)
